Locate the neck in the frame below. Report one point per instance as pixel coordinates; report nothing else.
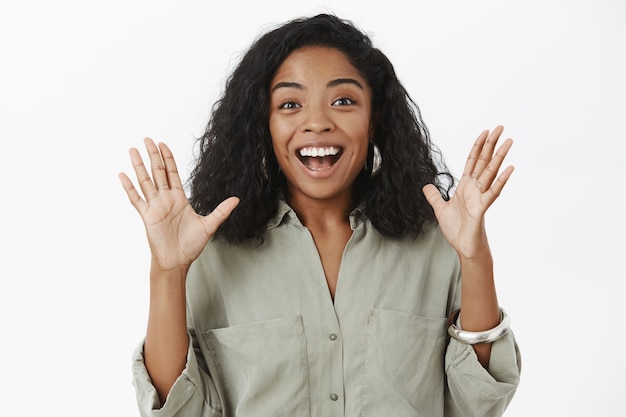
(322, 214)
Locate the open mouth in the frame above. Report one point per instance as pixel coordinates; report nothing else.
(319, 158)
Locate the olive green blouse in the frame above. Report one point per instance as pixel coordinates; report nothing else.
(267, 339)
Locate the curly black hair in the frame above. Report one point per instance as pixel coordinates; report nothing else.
(235, 152)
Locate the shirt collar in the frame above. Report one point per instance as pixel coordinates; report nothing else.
(283, 214)
(286, 214)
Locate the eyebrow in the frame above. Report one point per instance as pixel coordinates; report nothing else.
(340, 81)
(285, 84)
(330, 84)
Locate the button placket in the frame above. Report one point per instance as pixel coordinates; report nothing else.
(336, 347)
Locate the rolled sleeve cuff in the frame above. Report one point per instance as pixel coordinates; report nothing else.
(185, 386)
(486, 391)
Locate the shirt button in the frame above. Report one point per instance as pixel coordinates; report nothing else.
(334, 397)
(333, 336)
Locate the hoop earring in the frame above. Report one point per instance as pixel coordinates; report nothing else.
(373, 155)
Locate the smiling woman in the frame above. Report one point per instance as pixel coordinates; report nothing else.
(318, 103)
(321, 263)
(326, 106)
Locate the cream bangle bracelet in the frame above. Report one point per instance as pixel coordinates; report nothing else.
(487, 336)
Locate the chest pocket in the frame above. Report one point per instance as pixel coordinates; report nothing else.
(262, 368)
(404, 369)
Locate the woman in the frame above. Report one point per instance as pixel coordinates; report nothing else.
(318, 265)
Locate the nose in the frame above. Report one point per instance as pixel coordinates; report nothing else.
(317, 119)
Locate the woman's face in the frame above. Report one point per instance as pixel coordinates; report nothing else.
(320, 122)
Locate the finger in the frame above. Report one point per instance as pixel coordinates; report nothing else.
(475, 153)
(498, 185)
(220, 214)
(159, 175)
(143, 178)
(486, 152)
(433, 196)
(491, 170)
(171, 170)
(131, 192)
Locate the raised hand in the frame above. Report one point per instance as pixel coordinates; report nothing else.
(176, 233)
(462, 217)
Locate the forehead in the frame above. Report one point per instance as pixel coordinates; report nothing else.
(316, 63)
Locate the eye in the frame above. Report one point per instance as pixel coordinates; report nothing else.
(343, 101)
(289, 105)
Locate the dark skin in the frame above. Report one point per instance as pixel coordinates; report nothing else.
(331, 231)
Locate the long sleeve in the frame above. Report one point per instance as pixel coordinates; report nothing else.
(267, 339)
(188, 396)
(478, 392)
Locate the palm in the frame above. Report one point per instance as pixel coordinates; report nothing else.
(176, 233)
(462, 217)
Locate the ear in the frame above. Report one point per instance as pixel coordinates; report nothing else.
(373, 124)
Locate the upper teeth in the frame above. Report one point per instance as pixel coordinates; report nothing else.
(326, 151)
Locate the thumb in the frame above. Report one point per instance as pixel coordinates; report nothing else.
(433, 196)
(220, 214)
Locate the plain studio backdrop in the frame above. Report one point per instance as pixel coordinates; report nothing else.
(83, 81)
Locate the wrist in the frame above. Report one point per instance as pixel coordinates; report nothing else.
(159, 269)
(168, 279)
(481, 257)
(474, 248)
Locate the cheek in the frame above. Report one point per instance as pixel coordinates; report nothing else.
(279, 132)
(363, 137)
(364, 134)
(280, 141)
